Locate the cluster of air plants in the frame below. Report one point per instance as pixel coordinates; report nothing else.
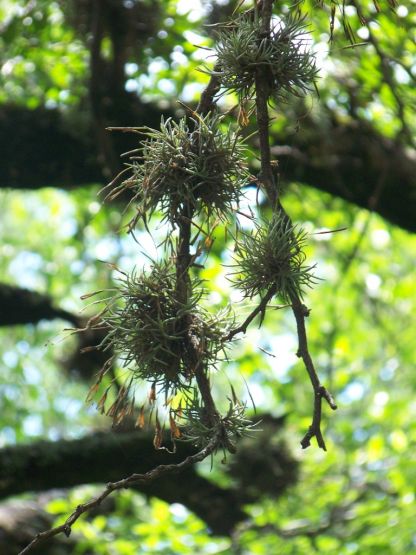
(188, 171)
(243, 47)
(191, 161)
(273, 257)
(149, 332)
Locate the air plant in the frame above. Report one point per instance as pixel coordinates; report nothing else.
(150, 332)
(228, 428)
(242, 48)
(272, 256)
(192, 161)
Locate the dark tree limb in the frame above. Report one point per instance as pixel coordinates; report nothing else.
(355, 162)
(158, 472)
(21, 306)
(103, 457)
(41, 148)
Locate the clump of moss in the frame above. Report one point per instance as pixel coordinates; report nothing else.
(272, 257)
(282, 54)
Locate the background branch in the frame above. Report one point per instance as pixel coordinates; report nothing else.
(132, 480)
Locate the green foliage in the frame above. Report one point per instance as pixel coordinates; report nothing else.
(242, 49)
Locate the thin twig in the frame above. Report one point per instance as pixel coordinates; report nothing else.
(260, 309)
(301, 312)
(155, 473)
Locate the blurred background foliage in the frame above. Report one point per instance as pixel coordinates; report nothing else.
(81, 65)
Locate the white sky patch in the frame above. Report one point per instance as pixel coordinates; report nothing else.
(157, 65)
(32, 425)
(179, 57)
(283, 347)
(106, 249)
(326, 271)
(167, 86)
(248, 204)
(10, 359)
(379, 402)
(127, 252)
(363, 33)
(324, 62)
(193, 8)
(190, 91)
(27, 266)
(353, 392)
(257, 393)
(401, 74)
(389, 369)
(94, 207)
(380, 238)
(131, 85)
(179, 512)
(381, 398)
(402, 11)
(373, 283)
(31, 374)
(350, 11)
(236, 296)
(131, 68)
(214, 297)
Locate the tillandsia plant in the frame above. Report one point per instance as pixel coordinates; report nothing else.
(192, 172)
(272, 258)
(192, 161)
(243, 46)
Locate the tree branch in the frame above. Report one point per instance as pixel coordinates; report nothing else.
(133, 479)
(301, 312)
(102, 457)
(343, 159)
(21, 306)
(260, 309)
